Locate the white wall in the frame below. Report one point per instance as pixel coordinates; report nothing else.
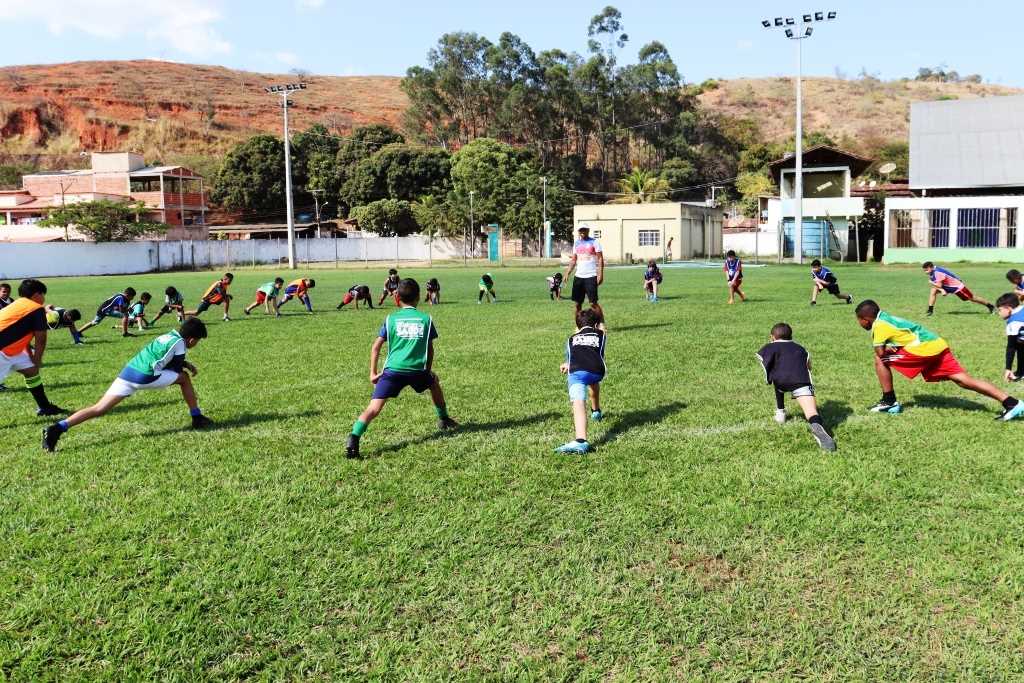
(54, 259)
(764, 244)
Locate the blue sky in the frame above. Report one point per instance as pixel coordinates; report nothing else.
(345, 37)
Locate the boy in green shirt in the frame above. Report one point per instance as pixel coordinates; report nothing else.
(160, 364)
(267, 295)
(410, 336)
(486, 289)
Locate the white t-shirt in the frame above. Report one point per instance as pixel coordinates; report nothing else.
(586, 252)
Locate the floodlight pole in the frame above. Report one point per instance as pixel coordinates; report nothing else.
(543, 223)
(285, 91)
(471, 228)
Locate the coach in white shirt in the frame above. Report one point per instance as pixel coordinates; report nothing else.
(588, 262)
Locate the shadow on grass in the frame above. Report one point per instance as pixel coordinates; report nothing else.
(834, 413)
(968, 312)
(243, 420)
(949, 403)
(648, 326)
(470, 428)
(638, 418)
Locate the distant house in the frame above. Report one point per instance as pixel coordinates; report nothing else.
(173, 194)
(638, 232)
(830, 209)
(966, 182)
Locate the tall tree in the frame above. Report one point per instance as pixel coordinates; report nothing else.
(105, 220)
(252, 176)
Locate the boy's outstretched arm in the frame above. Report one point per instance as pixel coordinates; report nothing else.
(378, 343)
(430, 355)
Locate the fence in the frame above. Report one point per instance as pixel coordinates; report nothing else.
(54, 259)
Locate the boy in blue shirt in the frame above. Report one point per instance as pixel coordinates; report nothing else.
(137, 311)
(652, 280)
(825, 280)
(584, 364)
(1017, 280)
(114, 307)
(410, 336)
(1011, 310)
(159, 364)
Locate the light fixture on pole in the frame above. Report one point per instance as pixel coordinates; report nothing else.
(471, 228)
(799, 36)
(285, 92)
(544, 221)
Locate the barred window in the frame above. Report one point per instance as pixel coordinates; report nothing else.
(1011, 227)
(649, 238)
(977, 228)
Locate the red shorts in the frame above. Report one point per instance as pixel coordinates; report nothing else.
(261, 297)
(933, 368)
(348, 299)
(965, 294)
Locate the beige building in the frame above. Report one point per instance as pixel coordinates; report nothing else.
(638, 232)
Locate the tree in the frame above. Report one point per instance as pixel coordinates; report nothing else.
(105, 220)
(435, 217)
(751, 187)
(641, 187)
(386, 217)
(252, 176)
(398, 172)
(678, 174)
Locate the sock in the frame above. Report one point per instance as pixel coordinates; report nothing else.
(889, 397)
(309, 305)
(442, 411)
(195, 412)
(780, 400)
(1010, 402)
(931, 309)
(359, 428)
(63, 425)
(35, 387)
(816, 420)
(481, 297)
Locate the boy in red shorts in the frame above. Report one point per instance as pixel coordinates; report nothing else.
(946, 282)
(912, 350)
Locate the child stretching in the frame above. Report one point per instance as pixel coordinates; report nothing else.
(584, 364)
(410, 337)
(555, 286)
(1014, 276)
(945, 282)
(912, 350)
(267, 295)
(174, 302)
(433, 291)
(825, 280)
(215, 294)
(390, 287)
(114, 307)
(137, 311)
(160, 364)
(357, 293)
(57, 317)
(487, 287)
(787, 367)
(23, 329)
(734, 276)
(5, 294)
(652, 280)
(298, 289)
(1011, 310)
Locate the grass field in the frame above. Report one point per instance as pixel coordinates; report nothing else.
(700, 540)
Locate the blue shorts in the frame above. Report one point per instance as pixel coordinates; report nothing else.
(392, 382)
(578, 383)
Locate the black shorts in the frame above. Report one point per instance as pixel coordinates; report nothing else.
(832, 288)
(203, 307)
(584, 288)
(392, 382)
(167, 308)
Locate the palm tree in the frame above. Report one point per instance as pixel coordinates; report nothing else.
(640, 186)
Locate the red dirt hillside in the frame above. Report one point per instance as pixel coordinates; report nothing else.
(161, 107)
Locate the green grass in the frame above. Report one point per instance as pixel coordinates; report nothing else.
(700, 540)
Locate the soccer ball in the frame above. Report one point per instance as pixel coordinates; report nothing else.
(52, 318)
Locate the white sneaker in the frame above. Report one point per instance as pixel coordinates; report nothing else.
(227, 319)
(780, 416)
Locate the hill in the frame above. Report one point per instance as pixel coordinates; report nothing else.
(50, 113)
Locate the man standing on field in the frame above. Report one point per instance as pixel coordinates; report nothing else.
(588, 261)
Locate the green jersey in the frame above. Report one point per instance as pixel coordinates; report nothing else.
(165, 352)
(270, 289)
(408, 333)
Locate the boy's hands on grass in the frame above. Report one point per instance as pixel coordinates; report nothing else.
(193, 370)
(1009, 376)
(564, 368)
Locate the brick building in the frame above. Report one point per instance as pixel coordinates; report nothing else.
(173, 194)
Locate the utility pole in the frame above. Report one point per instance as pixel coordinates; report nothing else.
(316, 202)
(63, 188)
(285, 92)
(544, 222)
(471, 228)
(789, 24)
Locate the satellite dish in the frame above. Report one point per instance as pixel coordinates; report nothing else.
(873, 184)
(886, 169)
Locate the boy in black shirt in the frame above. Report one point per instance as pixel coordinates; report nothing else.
(555, 286)
(433, 291)
(584, 364)
(787, 367)
(357, 293)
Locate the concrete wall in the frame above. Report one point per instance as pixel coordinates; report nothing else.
(53, 259)
(763, 244)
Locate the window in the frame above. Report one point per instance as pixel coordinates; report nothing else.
(977, 228)
(901, 229)
(596, 234)
(649, 238)
(938, 224)
(1011, 227)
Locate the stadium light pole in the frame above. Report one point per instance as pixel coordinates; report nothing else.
(471, 228)
(544, 221)
(285, 92)
(789, 25)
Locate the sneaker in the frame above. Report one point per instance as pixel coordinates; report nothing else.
(574, 447)
(338, 307)
(1013, 413)
(446, 423)
(655, 299)
(823, 438)
(227, 319)
(930, 313)
(352, 447)
(884, 407)
(201, 422)
(814, 303)
(245, 310)
(127, 334)
(597, 416)
(849, 299)
(50, 411)
(991, 309)
(51, 435)
(780, 416)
